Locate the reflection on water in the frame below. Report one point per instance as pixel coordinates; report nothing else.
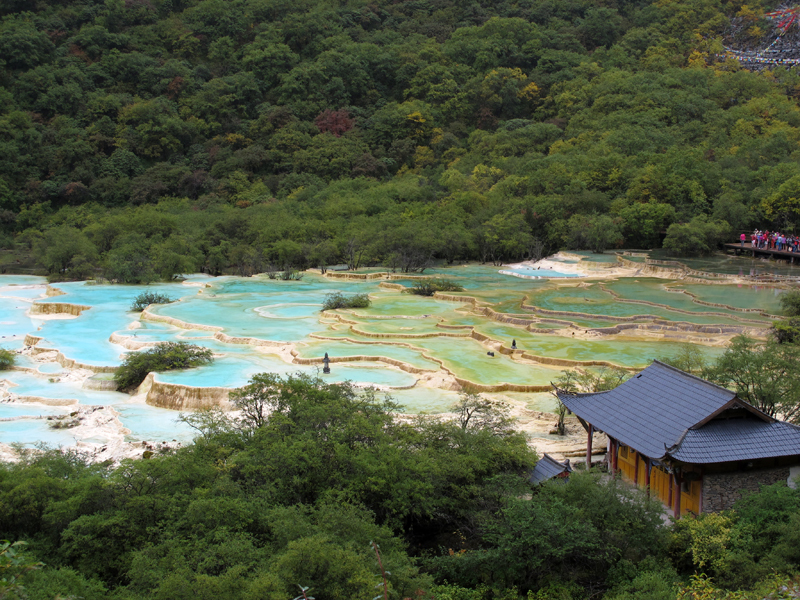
(734, 265)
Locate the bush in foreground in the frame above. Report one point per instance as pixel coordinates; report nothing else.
(786, 331)
(428, 287)
(163, 357)
(7, 358)
(145, 299)
(339, 300)
(790, 303)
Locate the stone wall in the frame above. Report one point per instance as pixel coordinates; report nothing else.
(96, 383)
(482, 388)
(32, 340)
(57, 308)
(51, 292)
(71, 363)
(157, 318)
(363, 276)
(721, 490)
(183, 397)
(403, 366)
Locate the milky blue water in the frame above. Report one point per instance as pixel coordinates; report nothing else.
(236, 371)
(17, 293)
(8, 411)
(109, 312)
(32, 431)
(536, 273)
(50, 386)
(397, 326)
(153, 424)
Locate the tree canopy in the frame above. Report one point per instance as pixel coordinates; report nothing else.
(144, 139)
(310, 479)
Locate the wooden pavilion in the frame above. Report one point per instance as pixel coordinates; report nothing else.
(693, 444)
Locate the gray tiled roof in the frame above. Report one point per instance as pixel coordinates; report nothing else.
(652, 410)
(547, 468)
(737, 439)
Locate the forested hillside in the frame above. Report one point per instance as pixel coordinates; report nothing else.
(144, 138)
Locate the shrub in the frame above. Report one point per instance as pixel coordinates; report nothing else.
(62, 583)
(287, 275)
(573, 533)
(7, 358)
(145, 299)
(427, 287)
(699, 236)
(339, 300)
(163, 357)
(790, 303)
(786, 331)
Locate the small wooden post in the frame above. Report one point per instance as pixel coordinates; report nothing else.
(671, 487)
(589, 447)
(647, 466)
(677, 512)
(614, 457)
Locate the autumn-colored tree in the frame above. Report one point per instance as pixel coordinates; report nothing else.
(336, 122)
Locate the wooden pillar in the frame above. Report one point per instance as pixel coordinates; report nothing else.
(614, 457)
(670, 493)
(647, 466)
(677, 497)
(589, 447)
(636, 469)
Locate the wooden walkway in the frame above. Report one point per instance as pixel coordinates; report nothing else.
(754, 252)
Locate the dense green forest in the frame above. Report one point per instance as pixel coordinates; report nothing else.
(317, 483)
(144, 138)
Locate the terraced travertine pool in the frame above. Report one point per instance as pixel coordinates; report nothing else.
(415, 348)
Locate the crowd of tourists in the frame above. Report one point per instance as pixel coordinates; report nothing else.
(765, 240)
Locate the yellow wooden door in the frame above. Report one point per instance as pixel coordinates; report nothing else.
(660, 483)
(627, 462)
(690, 497)
(641, 467)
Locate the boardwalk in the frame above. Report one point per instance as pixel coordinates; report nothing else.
(754, 252)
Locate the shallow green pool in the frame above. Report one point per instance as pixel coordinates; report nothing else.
(398, 326)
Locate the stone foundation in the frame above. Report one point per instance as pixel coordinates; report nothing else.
(721, 490)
